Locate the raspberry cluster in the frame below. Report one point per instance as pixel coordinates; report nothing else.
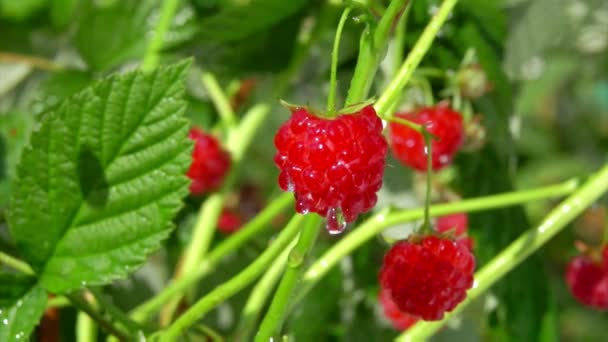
(209, 163)
(334, 166)
(426, 278)
(587, 280)
(408, 144)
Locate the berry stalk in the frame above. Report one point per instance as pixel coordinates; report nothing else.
(275, 316)
(219, 98)
(259, 223)
(385, 219)
(520, 249)
(151, 58)
(236, 283)
(371, 51)
(331, 98)
(16, 264)
(394, 89)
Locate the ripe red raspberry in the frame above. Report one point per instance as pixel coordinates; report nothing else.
(429, 277)
(408, 145)
(400, 320)
(210, 163)
(333, 166)
(458, 222)
(229, 221)
(588, 280)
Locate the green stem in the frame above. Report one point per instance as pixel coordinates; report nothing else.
(385, 219)
(259, 295)
(57, 302)
(114, 312)
(204, 227)
(331, 98)
(520, 249)
(235, 284)
(235, 241)
(371, 51)
(219, 98)
(423, 44)
(151, 58)
(16, 264)
(82, 305)
(86, 328)
(426, 226)
(398, 48)
(272, 322)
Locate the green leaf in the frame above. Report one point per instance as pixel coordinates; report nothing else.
(113, 35)
(103, 177)
(13, 286)
(15, 128)
(20, 10)
(239, 21)
(19, 318)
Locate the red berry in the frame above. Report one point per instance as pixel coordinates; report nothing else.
(588, 280)
(459, 223)
(333, 166)
(429, 277)
(210, 163)
(400, 320)
(408, 145)
(229, 221)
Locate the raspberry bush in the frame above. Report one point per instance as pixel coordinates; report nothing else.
(167, 172)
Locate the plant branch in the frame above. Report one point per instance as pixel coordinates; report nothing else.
(276, 313)
(219, 98)
(151, 56)
(235, 284)
(259, 295)
(82, 305)
(395, 87)
(520, 249)
(16, 264)
(331, 98)
(232, 243)
(33, 61)
(385, 219)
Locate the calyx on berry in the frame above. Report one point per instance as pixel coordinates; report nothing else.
(427, 276)
(334, 166)
(210, 163)
(441, 121)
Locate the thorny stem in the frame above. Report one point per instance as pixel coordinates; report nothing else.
(151, 56)
(331, 98)
(385, 219)
(271, 324)
(423, 44)
(235, 284)
(236, 240)
(520, 249)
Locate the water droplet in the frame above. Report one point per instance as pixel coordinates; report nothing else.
(335, 222)
(5, 321)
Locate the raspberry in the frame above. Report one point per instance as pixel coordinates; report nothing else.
(408, 145)
(209, 163)
(458, 222)
(229, 222)
(429, 277)
(333, 166)
(400, 320)
(588, 280)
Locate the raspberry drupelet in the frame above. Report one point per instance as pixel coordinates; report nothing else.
(408, 144)
(588, 280)
(333, 166)
(210, 163)
(400, 320)
(429, 277)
